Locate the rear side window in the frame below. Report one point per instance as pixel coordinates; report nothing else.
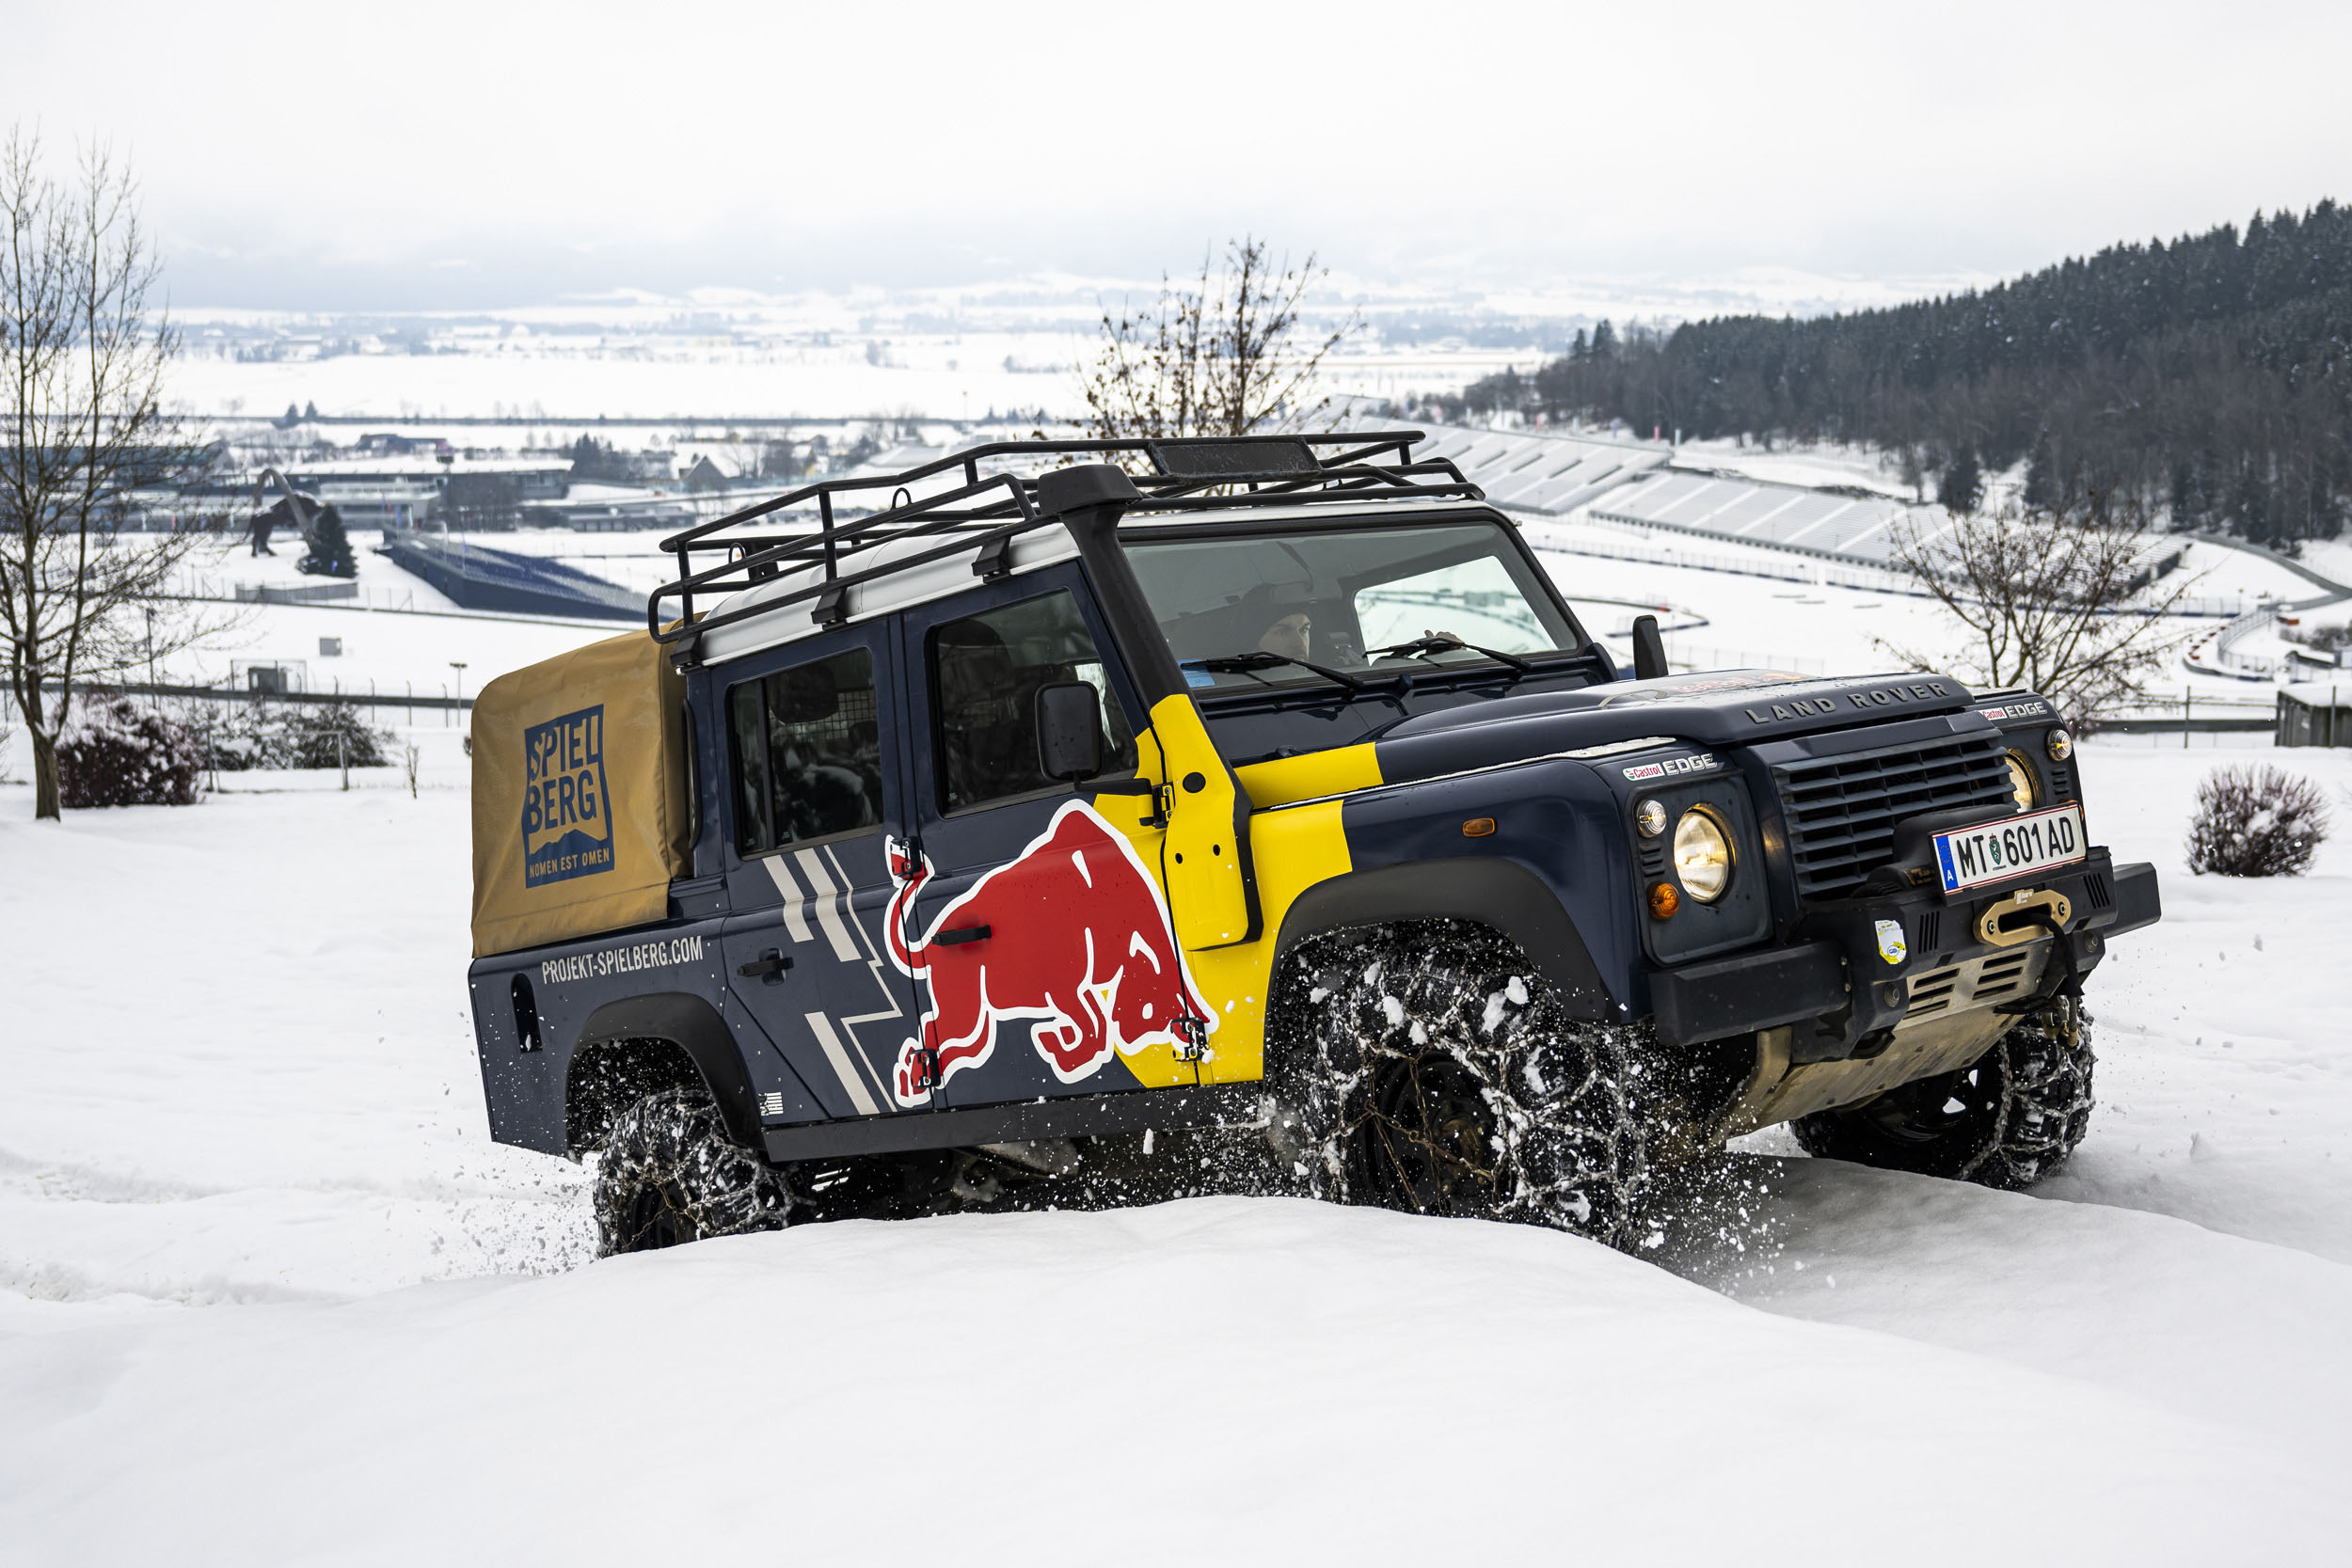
(808, 753)
(986, 670)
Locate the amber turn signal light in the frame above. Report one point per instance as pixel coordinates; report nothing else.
(1664, 900)
(1478, 827)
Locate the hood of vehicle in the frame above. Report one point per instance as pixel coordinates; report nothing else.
(1729, 707)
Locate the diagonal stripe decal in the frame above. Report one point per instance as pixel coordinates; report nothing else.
(828, 904)
(794, 921)
(885, 982)
(854, 1085)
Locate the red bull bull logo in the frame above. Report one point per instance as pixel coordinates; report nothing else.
(1071, 937)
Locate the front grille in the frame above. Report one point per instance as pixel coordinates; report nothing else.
(1842, 811)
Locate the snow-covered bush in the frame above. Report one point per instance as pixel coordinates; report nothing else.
(2256, 822)
(302, 734)
(330, 735)
(121, 754)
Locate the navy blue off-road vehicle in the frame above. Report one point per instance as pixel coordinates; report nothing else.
(1255, 800)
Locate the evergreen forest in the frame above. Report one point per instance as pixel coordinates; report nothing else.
(2209, 379)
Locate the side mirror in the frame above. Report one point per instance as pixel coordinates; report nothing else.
(1068, 731)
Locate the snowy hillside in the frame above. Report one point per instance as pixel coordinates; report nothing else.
(269, 1293)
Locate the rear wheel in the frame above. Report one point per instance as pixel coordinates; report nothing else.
(2006, 1120)
(670, 1173)
(1429, 1069)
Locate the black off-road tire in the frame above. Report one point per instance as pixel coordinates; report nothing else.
(670, 1173)
(1429, 1068)
(2007, 1120)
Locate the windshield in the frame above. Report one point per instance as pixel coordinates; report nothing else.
(1349, 599)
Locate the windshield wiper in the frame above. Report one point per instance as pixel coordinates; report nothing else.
(1438, 643)
(1243, 664)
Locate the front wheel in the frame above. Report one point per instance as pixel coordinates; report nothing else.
(1429, 1069)
(2006, 1120)
(670, 1173)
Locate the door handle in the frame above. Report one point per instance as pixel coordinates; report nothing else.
(768, 966)
(962, 934)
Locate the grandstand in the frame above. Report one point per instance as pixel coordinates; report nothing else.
(1533, 470)
(478, 579)
(1837, 525)
(1530, 470)
(1552, 475)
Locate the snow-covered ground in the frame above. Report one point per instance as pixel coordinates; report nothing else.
(941, 375)
(268, 1292)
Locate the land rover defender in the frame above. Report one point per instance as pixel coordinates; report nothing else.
(1062, 803)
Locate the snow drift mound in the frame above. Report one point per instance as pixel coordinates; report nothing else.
(1214, 1380)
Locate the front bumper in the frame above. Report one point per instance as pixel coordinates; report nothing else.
(1837, 981)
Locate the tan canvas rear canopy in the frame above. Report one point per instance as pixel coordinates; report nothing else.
(579, 808)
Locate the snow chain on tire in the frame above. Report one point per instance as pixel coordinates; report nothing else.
(671, 1172)
(1429, 1068)
(2007, 1120)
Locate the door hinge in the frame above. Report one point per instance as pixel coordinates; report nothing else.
(925, 1071)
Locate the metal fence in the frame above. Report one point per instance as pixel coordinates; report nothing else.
(437, 700)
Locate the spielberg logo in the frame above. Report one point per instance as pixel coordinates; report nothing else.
(567, 815)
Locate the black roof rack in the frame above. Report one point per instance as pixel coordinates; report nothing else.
(1192, 474)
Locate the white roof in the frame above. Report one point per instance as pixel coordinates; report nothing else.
(935, 579)
(1041, 546)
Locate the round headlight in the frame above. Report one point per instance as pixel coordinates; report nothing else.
(2059, 743)
(1702, 855)
(2023, 787)
(1650, 816)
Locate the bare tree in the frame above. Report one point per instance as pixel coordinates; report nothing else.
(1227, 356)
(2060, 599)
(83, 428)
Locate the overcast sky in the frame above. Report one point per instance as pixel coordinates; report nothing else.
(426, 154)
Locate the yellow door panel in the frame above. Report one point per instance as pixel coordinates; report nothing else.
(1208, 861)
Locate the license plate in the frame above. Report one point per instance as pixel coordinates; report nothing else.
(2013, 846)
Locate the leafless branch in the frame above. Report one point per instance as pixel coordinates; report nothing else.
(2061, 600)
(1221, 357)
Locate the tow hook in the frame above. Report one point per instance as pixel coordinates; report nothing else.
(2061, 987)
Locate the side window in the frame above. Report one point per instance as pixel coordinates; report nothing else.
(986, 670)
(808, 753)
